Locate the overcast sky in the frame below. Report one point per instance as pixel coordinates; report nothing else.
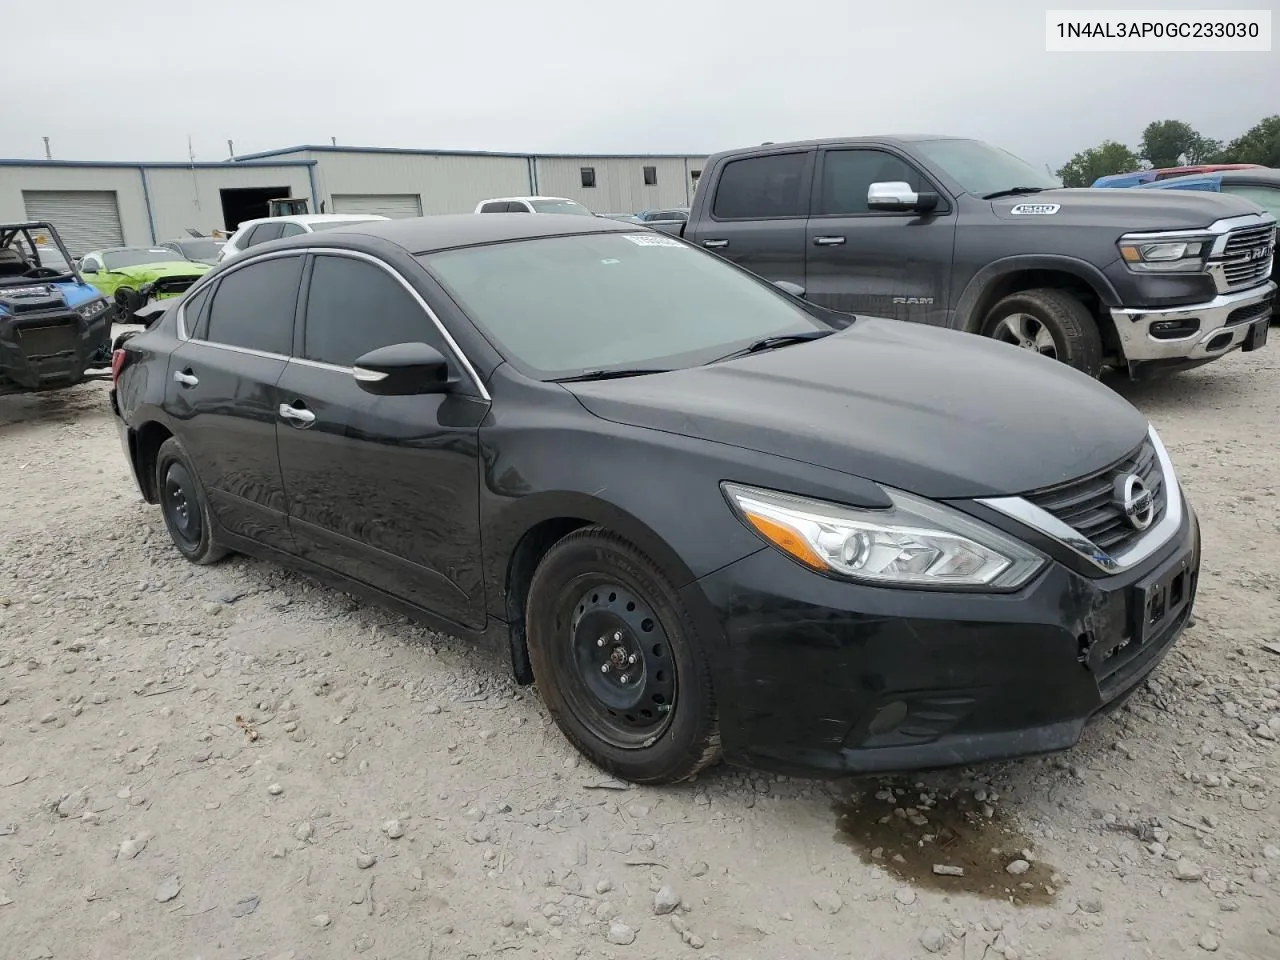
(131, 80)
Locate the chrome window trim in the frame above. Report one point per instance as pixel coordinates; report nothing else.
(251, 259)
(1026, 512)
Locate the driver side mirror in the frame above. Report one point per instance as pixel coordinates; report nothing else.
(786, 286)
(897, 196)
(403, 370)
(88, 268)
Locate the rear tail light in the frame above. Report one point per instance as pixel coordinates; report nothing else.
(117, 364)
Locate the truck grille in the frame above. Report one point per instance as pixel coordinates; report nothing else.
(1089, 506)
(1246, 259)
(48, 338)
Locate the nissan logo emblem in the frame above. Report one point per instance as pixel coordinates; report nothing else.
(1135, 501)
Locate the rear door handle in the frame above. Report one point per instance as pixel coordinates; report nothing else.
(715, 244)
(186, 377)
(299, 416)
(828, 241)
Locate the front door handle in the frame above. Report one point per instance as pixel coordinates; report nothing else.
(828, 241)
(299, 416)
(186, 377)
(715, 244)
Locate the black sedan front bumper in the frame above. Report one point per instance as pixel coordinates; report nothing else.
(823, 677)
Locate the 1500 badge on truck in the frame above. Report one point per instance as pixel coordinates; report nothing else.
(957, 233)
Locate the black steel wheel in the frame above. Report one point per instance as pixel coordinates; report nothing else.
(619, 662)
(184, 506)
(622, 680)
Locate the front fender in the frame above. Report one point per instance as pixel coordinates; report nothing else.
(967, 315)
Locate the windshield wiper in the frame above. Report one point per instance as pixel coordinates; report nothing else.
(1011, 192)
(769, 343)
(610, 374)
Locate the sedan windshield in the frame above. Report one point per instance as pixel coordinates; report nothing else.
(982, 169)
(559, 206)
(120, 259)
(563, 306)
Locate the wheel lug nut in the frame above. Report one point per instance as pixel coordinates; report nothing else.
(604, 668)
(617, 636)
(600, 642)
(632, 659)
(625, 678)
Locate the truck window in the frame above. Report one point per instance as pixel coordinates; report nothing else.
(761, 187)
(848, 174)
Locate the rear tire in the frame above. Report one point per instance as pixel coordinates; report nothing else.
(1051, 322)
(184, 505)
(596, 601)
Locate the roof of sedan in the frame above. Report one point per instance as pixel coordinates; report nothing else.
(428, 234)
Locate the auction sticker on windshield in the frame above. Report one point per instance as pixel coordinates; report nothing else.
(656, 240)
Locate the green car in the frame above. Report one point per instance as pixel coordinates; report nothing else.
(131, 277)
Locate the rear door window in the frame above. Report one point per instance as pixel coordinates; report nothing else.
(194, 316)
(292, 230)
(354, 306)
(254, 306)
(765, 187)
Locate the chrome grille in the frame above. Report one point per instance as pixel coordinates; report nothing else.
(1088, 505)
(1247, 256)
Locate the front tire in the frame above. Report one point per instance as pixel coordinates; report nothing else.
(1050, 322)
(618, 661)
(184, 505)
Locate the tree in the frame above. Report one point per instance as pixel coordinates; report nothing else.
(1103, 160)
(1259, 144)
(1170, 143)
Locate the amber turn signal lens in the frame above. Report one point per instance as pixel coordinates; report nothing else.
(786, 539)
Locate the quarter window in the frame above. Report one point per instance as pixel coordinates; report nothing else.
(848, 174)
(291, 230)
(354, 306)
(762, 187)
(254, 306)
(194, 317)
(497, 206)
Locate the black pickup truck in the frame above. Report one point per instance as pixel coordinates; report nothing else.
(958, 233)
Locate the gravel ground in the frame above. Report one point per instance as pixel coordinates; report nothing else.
(232, 762)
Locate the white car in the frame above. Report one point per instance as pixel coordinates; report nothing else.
(252, 232)
(532, 205)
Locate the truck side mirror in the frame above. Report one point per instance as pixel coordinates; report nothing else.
(898, 197)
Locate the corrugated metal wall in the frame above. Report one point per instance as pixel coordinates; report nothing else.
(620, 186)
(446, 183)
(185, 198)
(125, 182)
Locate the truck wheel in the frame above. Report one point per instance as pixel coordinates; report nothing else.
(1052, 323)
(127, 301)
(619, 662)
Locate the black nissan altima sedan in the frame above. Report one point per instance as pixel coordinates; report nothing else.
(707, 517)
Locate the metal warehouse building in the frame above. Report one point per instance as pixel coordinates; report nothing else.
(101, 204)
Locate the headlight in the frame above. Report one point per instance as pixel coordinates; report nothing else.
(1174, 254)
(914, 543)
(92, 309)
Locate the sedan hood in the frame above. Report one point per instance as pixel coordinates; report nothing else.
(934, 412)
(147, 272)
(1127, 210)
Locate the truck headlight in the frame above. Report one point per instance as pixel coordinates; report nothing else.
(914, 543)
(93, 309)
(1152, 253)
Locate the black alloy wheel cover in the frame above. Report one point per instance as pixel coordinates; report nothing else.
(616, 661)
(181, 507)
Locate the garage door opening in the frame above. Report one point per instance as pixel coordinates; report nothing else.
(247, 203)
